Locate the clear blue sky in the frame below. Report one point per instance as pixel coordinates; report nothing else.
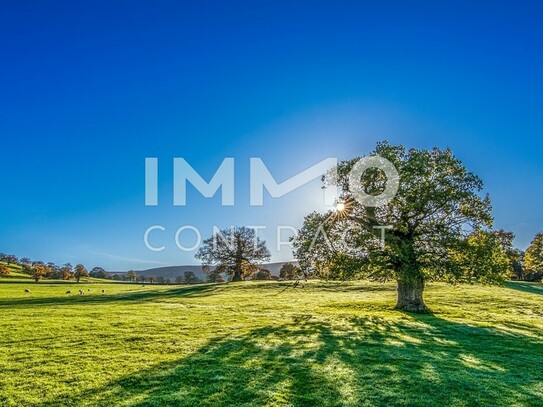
(87, 91)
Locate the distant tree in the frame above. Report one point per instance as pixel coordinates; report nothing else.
(80, 271)
(67, 271)
(262, 274)
(4, 270)
(214, 276)
(132, 276)
(437, 205)
(236, 252)
(514, 255)
(190, 278)
(289, 270)
(179, 279)
(533, 258)
(160, 280)
(27, 268)
(53, 271)
(10, 259)
(482, 258)
(98, 272)
(39, 271)
(517, 264)
(25, 261)
(152, 279)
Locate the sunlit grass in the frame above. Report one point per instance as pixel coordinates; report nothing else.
(268, 344)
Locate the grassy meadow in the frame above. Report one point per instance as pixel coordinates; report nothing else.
(268, 343)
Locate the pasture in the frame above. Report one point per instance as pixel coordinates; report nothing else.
(267, 343)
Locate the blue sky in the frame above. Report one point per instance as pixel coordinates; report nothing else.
(87, 91)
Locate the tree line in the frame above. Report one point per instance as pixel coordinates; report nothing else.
(39, 270)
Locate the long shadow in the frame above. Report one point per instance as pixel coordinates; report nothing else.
(418, 361)
(128, 296)
(532, 288)
(334, 287)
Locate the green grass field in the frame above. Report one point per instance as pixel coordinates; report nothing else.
(268, 344)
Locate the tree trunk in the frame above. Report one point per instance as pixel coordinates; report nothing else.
(410, 296)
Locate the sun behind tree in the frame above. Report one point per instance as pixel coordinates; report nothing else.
(439, 224)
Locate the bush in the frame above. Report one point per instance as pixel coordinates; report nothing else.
(262, 275)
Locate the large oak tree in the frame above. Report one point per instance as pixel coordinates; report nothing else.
(439, 226)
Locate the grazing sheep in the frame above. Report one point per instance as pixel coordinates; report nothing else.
(103, 291)
(27, 290)
(68, 292)
(81, 292)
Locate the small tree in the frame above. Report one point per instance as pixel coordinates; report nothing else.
(98, 272)
(132, 276)
(10, 259)
(190, 278)
(213, 274)
(262, 274)
(53, 271)
(4, 270)
(80, 271)
(39, 271)
(237, 252)
(289, 270)
(67, 271)
(533, 259)
(515, 256)
(25, 261)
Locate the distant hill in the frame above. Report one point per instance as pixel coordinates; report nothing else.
(172, 272)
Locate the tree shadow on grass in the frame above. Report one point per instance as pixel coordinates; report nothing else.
(532, 288)
(127, 296)
(417, 361)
